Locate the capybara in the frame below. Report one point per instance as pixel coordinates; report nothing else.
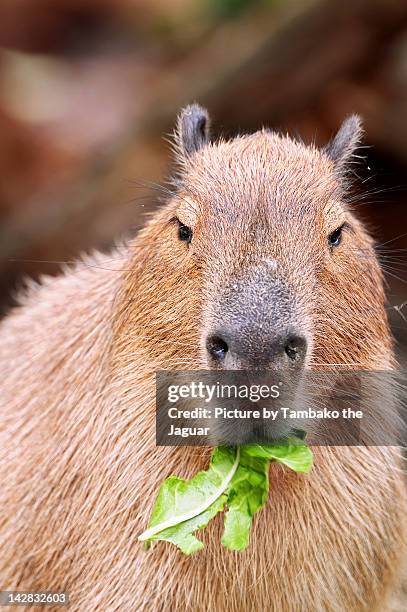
(256, 255)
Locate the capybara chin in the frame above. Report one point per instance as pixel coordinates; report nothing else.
(255, 257)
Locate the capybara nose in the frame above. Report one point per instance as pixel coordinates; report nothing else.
(217, 347)
(231, 352)
(295, 347)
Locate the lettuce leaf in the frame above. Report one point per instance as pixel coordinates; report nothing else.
(238, 478)
(182, 534)
(183, 506)
(294, 454)
(248, 492)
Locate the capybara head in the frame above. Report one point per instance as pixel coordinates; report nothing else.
(257, 260)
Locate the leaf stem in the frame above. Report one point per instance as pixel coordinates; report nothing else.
(176, 520)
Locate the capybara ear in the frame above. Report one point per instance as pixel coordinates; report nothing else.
(342, 147)
(192, 131)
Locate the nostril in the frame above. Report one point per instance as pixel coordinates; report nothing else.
(216, 347)
(295, 348)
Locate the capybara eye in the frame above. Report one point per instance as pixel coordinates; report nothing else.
(335, 238)
(185, 233)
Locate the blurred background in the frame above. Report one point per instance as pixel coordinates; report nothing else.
(88, 88)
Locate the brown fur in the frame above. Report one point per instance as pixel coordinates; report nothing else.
(79, 469)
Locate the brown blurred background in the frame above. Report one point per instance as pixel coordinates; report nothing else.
(89, 87)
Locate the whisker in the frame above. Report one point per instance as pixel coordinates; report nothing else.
(399, 309)
(393, 239)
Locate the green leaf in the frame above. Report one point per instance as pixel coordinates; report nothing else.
(183, 506)
(294, 454)
(248, 492)
(249, 487)
(182, 534)
(236, 477)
